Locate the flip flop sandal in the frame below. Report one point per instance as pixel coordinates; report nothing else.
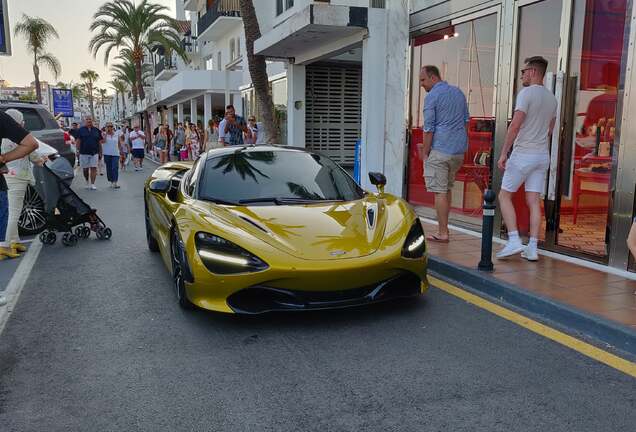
(435, 239)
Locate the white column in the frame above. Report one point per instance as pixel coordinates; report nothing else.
(384, 62)
(180, 113)
(237, 101)
(207, 109)
(170, 114)
(296, 83)
(193, 111)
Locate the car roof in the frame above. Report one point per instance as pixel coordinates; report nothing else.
(250, 148)
(21, 104)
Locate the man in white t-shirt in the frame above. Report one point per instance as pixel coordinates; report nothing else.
(137, 144)
(530, 131)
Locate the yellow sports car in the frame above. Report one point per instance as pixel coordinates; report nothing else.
(253, 229)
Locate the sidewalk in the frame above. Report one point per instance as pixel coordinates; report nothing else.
(605, 298)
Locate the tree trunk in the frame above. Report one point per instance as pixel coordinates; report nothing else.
(138, 57)
(38, 90)
(258, 72)
(117, 104)
(91, 101)
(123, 102)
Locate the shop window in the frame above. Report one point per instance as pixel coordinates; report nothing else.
(465, 56)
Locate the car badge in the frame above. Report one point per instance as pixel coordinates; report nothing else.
(337, 253)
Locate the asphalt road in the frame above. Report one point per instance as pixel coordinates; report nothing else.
(98, 343)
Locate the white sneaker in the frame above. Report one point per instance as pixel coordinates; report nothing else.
(511, 248)
(530, 254)
(93, 187)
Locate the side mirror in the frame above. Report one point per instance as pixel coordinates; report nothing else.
(159, 186)
(378, 180)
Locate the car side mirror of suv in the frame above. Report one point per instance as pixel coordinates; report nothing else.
(159, 186)
(378, 180)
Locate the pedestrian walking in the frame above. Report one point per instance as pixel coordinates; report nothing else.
(195, 142)
(528, 136)
(138, 145)
(90, 151)
(19, 176)
(445, 142)
(235, 128)
(179, 140)
(112, 143)
(26, 144)
(170, 136)
(253, 127)
(161, 145)
(212, 135)
(124, 150)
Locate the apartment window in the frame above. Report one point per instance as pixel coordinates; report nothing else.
(232, 50)
(218, 60)
(238, 47)
(283, 5)
(209, 64)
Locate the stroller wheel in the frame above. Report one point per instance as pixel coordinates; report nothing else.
(51, 238)
(107, 233)
(86, 232)
(100, 233)
(44, 237)
(79, 232)
(69, 239)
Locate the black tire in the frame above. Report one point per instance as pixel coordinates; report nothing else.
(177, 272)
(51, 238)
(153, 246)
(86, 232)
(69, 239)
(100, 233)
(33, 216)
(107, 233)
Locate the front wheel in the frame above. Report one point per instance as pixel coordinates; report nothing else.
(33, 216)
(177, 272)
(153, 246)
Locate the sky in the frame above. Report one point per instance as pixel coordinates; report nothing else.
(71, 19)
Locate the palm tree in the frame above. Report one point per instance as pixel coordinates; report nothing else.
(102, 97)
(37, 32)
(126, 72)
(89, 77)
(122, 25)
(61, 85)
(258, 71)
(120, 88)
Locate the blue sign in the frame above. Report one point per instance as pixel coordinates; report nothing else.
(5, 36)
(63, 102)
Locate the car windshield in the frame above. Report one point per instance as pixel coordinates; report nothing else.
(275, 177)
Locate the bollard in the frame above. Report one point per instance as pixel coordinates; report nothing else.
(487, 230)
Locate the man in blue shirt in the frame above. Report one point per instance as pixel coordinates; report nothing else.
(445, 142)
(90, 151)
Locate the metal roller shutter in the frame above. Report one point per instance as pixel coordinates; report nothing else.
(333, 110)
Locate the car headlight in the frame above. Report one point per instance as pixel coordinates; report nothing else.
(415, 244)
(221, 256)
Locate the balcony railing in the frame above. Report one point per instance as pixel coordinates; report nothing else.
(162, 65)
(220, 8)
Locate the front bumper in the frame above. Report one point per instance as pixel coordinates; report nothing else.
(261, 299)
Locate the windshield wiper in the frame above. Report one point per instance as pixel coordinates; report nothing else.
(285, 200)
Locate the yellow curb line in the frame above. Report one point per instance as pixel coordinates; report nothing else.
(584, 348)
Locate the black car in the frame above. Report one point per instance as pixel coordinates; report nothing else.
(40, 122)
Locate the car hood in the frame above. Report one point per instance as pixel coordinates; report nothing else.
(325, 231)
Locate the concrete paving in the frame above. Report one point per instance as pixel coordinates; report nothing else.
(97, 342)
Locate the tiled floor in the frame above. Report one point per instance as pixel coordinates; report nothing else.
(587, 235)
(609, 296)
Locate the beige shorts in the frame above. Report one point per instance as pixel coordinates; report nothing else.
(440, 170)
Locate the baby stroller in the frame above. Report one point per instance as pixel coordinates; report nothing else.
(65, 210)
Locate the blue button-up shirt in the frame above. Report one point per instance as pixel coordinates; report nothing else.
(445, 115)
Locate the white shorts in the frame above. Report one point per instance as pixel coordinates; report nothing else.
(88, 161)
(530, 169)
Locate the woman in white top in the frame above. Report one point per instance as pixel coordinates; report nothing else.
(20, 175)
(212, 135)
(111, 146)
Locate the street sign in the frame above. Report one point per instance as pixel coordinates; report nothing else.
(5, 30)
(63, 102)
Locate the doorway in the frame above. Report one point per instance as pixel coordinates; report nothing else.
(585, 75)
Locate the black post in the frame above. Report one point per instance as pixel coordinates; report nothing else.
(487, 230)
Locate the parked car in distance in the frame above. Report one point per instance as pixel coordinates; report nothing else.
(40, 122)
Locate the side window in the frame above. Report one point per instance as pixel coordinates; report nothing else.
(190, 179)
(32, 120)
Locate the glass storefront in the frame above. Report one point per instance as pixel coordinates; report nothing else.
(465, 54)
(586, 45)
